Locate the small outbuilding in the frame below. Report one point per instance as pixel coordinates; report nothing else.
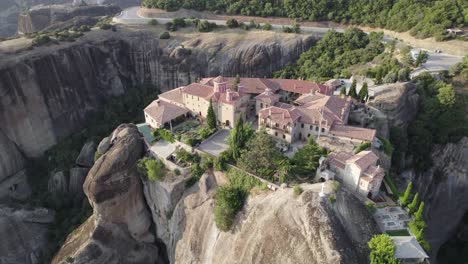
(408, 250)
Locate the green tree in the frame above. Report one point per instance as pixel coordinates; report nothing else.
(343, 90)
(418, 216)
(267, 26)
(364, 92)
(211, 117)
(352, 90)
(152, 169)
(414, 204)
(228, 201)
(260, 155)
(382, 250)
(240, 135)
(421, 58)
(305, 161)
(232, 23)
(446, 95)
(236, 82)
(404, 200)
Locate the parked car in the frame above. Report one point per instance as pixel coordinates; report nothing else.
(437, 51)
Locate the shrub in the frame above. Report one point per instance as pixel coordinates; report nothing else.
(267, 26)
(190, 182)
(382, 250)
(297, 190)
(197, 171)
(153, 22)
(179, 22)
(207, 162)
(386, 146)
(332, 198)
(205, 132)
(192, 141)
(228, 202)
(205, 26)
(361, 147)
(370, 207)
(165, 35)
(41, 40)
(152, 169)
(165, 134)
(186, 157)
(336, 186)
(69, 259)
(177, 172)
(232, 23)
(105, 26)
(84, 28)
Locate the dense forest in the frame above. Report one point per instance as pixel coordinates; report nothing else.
(423, 18)
(333, 54)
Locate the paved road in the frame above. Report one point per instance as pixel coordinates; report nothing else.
(216, 144)
(436, 61)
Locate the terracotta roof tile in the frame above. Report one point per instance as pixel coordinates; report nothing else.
(364, 159)
(353, 132)
(174, 95)
(199, 90)
(162, 111)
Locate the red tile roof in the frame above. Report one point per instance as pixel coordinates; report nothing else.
(199, 90)
(173, 96)
(163, 112)
(364, 159)
(268, 96)
(338, 159)
(280, 115)
(353, 132)
(299, 86)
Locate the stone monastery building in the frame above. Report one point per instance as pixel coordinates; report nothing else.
(310, 110)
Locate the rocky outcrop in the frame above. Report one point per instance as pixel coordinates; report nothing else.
(46, 17)
(398, 101)
(86, 156)
(119, 230)
(444, 189)
(274, 227)
(47, 93)
(24, 234)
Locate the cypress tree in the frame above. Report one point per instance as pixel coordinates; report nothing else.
(211, 117)
(418, 214)
(352, 90)
(414, 204)
(364, 92)
(405, 198)
(343, 90)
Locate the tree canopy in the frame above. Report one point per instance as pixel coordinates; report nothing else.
(382, 250)
(422, 18)
(211, 117)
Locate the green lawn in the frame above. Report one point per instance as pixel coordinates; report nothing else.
(402, 232)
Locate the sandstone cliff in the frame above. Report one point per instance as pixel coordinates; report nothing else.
(444, 189)
(273, 227)
(47, 93)
(119, 230)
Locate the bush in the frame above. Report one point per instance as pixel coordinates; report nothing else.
(84, 28)
(165, 134)
(297, 190)
(41, 40)
(190, 182)
(370, 207)
(197, 171)
(152, 169)
(382, 250)
(184, 156)
(207, 162)
(361, 147)
(267, 26)
(153, 22)
(179, 22)
(105, 26)
(232, 23)
(205, 26)
(69, 259)
(386, 146)
(192, 141)
(228, 202)
(332, 198)
(205, 132)
(165, 35)
(97, 155)
(177, 172)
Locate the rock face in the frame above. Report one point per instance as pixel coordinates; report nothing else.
(398, 101)
(119, 230)
(274, 227)
(24, 234)
(48, 93)
(86, 156)
(46, 17)
(444, 189)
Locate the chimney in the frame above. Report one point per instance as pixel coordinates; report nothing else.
(241, 89)
(229, 95)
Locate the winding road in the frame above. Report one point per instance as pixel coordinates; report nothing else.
(436, 62)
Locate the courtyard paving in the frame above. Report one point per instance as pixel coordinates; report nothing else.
(216, 144)
(392, 218)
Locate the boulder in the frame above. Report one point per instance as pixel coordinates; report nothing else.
(86, 156)
(104, 145)
(11, 160)
(25, 234)
(58, 182)
(119, 230)
(77, 178)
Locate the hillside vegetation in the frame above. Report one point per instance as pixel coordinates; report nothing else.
(422, 18)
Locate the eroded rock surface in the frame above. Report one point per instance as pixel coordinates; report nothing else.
(273, 227)
(444, 189)
(24, 234)
(119, 230)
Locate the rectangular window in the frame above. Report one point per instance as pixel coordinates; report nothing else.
(316, 128)
(276, 134)
(284, 136)
(323, 129)
(302, 125)
(311, 127)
